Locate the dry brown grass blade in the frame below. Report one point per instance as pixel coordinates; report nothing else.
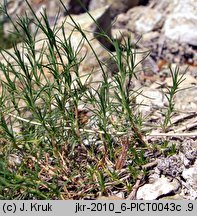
(132, 195)
(139, 135)
(122, 158)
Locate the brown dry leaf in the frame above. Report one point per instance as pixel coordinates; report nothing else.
(122, 158)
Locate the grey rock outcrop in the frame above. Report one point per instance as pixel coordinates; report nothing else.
(117, 6)
(180, 25)
(18, 8)
(158, 188)
(175, 177)
(175, 19)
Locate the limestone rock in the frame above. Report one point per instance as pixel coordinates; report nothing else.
(180, 25)
(117, 6)
(175, 19)
(149, 99)
(186, 100)
(174, 197)
(160, 187)
(146, 19)
(190, 175)
(18, 8)
(171, 166)
(182, 182)
(142, 19)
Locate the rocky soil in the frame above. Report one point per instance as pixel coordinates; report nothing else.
(168, 29)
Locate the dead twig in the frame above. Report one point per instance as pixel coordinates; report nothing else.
(194, 134)
(187, 126)
(132, 195)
